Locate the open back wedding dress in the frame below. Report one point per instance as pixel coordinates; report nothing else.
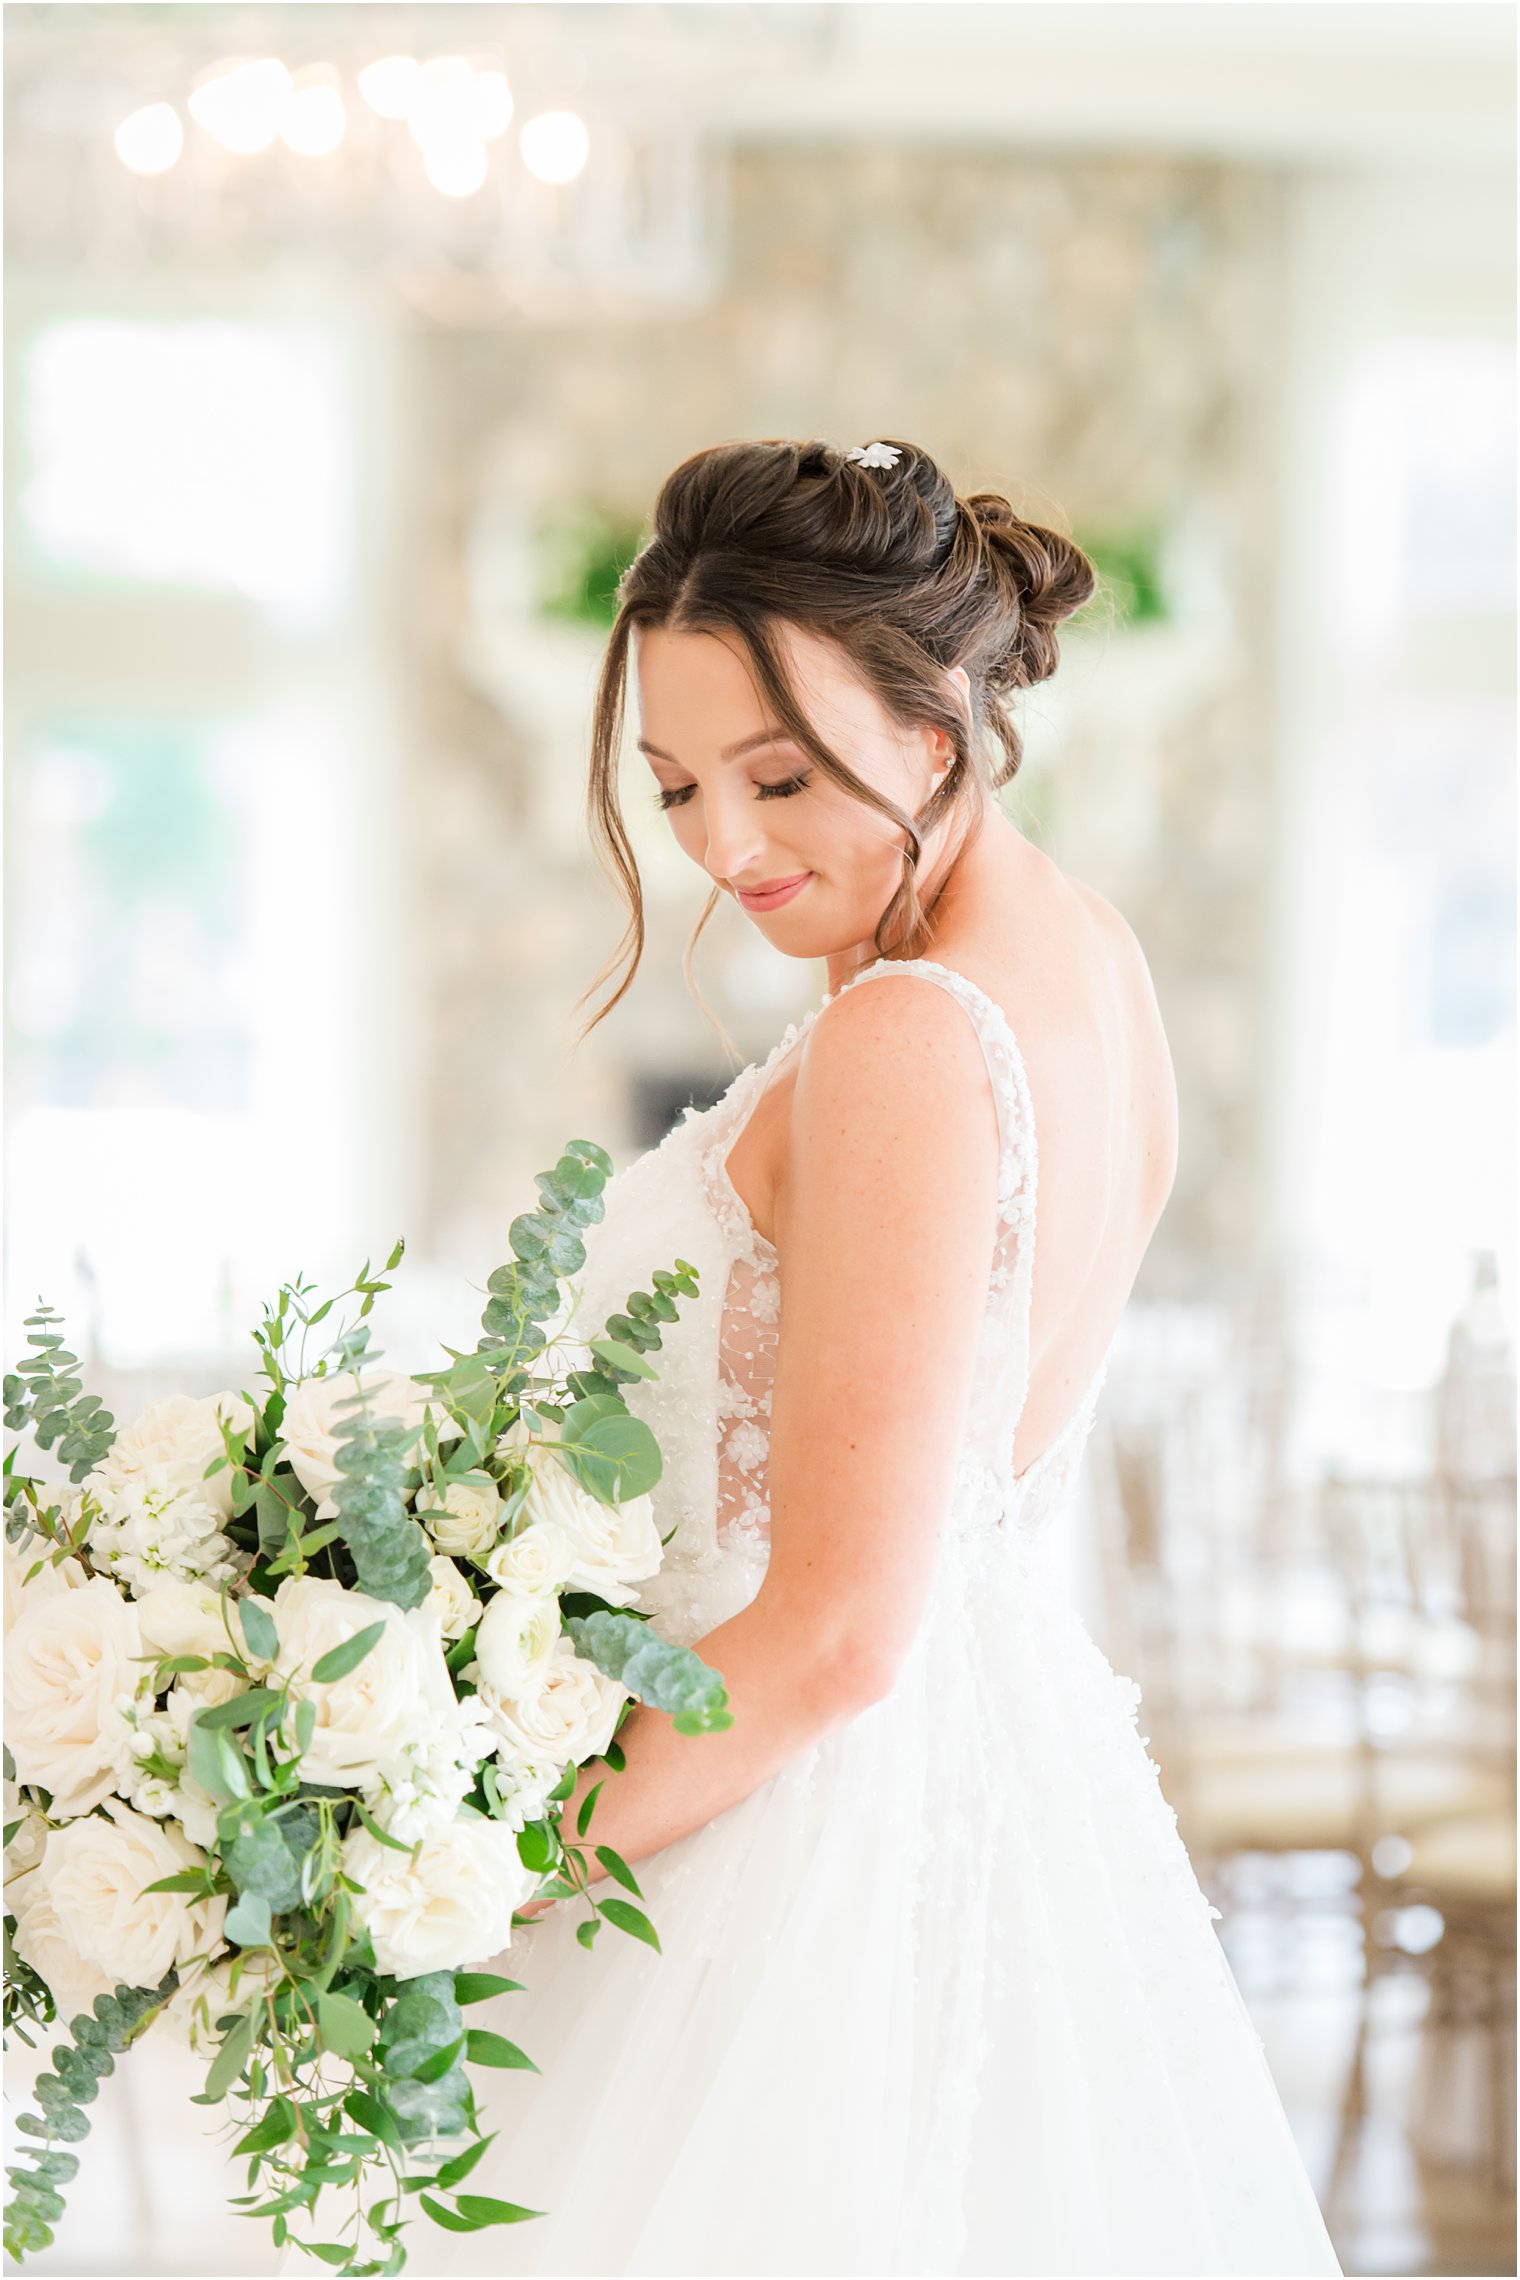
(943, 1995)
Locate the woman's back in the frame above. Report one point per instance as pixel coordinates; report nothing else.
(1069, 975)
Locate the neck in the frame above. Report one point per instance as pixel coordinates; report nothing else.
(949, 874)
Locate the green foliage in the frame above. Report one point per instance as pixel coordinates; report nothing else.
(1128, 563)
(612, 1455)
(657, 1670)
(79, 2065)
(390, 1550)
(339, 1661)
(583, 551)
(42, 1391)
(546, 1245)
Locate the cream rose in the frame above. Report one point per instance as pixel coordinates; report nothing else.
(615, 1545)
(447, 1904)
(95, 1872)
(399, 1695)
(50, 1580)
(464, 1519)
(451, 1599)
(515, 1642)
(71, 1676)
(534, 1561)
(315, 1421)
(180, 1618)
(41, 1941)
(167, 1449)
(571, 1713)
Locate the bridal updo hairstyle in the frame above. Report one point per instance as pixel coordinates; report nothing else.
(888, 562)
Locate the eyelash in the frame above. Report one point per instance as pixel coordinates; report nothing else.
(665, 800)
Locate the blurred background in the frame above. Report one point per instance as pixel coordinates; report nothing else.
(345, 348)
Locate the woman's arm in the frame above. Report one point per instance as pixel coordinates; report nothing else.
(884, 1229)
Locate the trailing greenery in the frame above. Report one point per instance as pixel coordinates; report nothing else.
(80, 2065)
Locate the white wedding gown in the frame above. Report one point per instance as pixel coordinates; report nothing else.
(943, 1995)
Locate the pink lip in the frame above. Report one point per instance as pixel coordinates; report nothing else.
(773, 896)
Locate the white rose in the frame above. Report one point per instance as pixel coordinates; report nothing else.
(515, 1642)
(571, 1714)
(168, 1448)
(50, 1581)
(314, 1422)
(70, 1678)
(154, 1535)
(447, 1904)
(451, 1599)
(184, 1618)
(464, 1519)
(41, 1941)
(368, 1722)
(534, 1561)
(95, 1871)
(615, 1545)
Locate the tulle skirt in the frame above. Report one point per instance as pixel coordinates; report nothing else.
(943, 1996)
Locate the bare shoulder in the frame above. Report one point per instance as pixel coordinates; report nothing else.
(892, 1099)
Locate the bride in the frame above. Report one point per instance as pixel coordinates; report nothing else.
(938, 1989)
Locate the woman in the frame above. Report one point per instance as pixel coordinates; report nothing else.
(939, 1991)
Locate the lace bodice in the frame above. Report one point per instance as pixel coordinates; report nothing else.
(711, 1404)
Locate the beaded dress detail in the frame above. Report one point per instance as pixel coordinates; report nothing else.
(944, 1994)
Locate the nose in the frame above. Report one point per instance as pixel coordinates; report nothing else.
(734, 837)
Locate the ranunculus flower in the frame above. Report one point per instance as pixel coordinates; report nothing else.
(70, 1677)
(168, 1448)
(534, 1561)
(95, 1871)
(447, 1904)
(397, 1697)
(570, 1714)
(464, 1518)
(314, 1422)
(515, 1641)
(451, 1599)
(615, 1545)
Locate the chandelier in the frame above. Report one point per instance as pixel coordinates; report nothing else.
(471, 159)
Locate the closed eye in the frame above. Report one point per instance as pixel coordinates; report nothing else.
(782, 791)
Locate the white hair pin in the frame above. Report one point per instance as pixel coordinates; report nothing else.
(875, 454)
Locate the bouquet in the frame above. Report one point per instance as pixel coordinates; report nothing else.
(297, 1691)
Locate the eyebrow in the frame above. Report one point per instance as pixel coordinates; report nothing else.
(734, 751)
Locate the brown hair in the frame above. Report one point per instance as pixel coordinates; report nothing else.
(909, 579)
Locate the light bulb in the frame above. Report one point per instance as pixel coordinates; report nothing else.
(456, 168)
(493, 104)
(151, 139)
(315, 122)
(243, 103)
(390, 86)
(555, 146)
